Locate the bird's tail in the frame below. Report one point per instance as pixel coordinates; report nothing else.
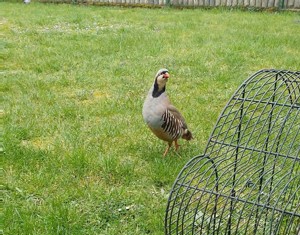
(187, 135)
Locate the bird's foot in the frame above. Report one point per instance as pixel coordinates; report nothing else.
(167, 149)
(176, 145)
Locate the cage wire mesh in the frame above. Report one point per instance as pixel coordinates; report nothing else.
(248, 179)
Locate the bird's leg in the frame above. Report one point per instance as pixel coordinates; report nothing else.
(176, 145)
(167, 149)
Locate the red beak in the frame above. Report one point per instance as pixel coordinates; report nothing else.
(166, 75)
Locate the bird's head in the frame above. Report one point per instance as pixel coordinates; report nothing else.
(161, 79)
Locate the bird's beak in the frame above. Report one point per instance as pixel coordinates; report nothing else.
(166, 75)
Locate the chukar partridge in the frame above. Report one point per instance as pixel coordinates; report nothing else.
(164, 120)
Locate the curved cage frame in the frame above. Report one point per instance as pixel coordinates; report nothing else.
(248, 179)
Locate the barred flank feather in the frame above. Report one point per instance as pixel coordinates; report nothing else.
(174, 127)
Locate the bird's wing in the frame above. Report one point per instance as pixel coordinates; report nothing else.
(172, 109)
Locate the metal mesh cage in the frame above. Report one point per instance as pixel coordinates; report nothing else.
(248, 179)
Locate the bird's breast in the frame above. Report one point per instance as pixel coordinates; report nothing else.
(153, 111)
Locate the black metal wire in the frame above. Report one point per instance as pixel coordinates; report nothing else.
(248, 179)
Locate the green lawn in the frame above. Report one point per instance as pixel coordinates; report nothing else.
(78, 157)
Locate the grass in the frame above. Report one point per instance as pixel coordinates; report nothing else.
(78, 158)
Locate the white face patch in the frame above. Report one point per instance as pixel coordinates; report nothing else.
(161, 81)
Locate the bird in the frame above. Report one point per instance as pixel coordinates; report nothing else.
(163, 118)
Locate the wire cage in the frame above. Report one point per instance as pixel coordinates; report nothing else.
(248, 179)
